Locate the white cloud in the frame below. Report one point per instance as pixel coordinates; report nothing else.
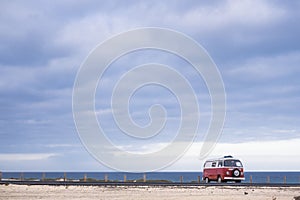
(267, 68)
(15, 157)
(86, 32)
(34, 122)
(217, 17)
(264, 155)
(251, 12)
(103, 111)
(63, 145)
(143, 149)
(260, 148)
(281, 155)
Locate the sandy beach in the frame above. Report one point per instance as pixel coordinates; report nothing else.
(146, 192)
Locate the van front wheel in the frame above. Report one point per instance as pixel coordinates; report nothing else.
(219, 179)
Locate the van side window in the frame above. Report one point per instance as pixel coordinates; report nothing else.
(207, 164)
(213, 164)
(220, 164)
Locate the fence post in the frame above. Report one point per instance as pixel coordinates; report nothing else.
(22, 176)
(145, 178)
(284, 179)
(105, 178)
(199, 179)
(251, 179)
(0, 176)
(43, 176)
(268, 179)
(84, 177)
(65, 176)
(181, 179)
(125, 177)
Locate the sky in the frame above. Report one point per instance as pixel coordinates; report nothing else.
(254, 44)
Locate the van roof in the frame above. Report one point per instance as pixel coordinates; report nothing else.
(222, 158)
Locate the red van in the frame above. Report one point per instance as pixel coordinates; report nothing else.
(223, 169)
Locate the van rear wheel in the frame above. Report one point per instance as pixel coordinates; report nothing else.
(206, 180)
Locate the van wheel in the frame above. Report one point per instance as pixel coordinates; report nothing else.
(219, 179)
(206, 180)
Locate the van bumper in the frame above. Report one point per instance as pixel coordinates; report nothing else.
(235, 178)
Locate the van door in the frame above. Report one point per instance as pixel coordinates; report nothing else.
(213, 172)
(220, 171)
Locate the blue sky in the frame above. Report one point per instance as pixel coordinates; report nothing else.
(255, 45)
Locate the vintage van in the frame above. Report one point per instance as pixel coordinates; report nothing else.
(223, 169)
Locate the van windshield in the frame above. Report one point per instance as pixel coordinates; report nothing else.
(232, 163)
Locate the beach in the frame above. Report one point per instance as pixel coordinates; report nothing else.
(46, 192)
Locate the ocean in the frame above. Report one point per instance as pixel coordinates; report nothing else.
(257, 177)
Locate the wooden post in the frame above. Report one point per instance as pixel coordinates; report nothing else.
(125, 178)
(199, 179)
(145, 178)
(43, 176)
(105, 178)
(84, 177)
(65, 176)
(181, 179)
(284, 179)
(251, 179)
(22, 176)
(0, 176)
(268, 179)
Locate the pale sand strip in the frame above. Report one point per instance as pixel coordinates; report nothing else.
(150, 193)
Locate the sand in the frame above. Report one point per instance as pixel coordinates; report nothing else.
(146, 192)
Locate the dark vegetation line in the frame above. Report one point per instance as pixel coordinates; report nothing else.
(151, 183)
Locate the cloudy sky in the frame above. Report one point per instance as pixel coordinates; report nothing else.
(255, 45)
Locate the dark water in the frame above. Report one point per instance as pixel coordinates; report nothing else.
(257, 177)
